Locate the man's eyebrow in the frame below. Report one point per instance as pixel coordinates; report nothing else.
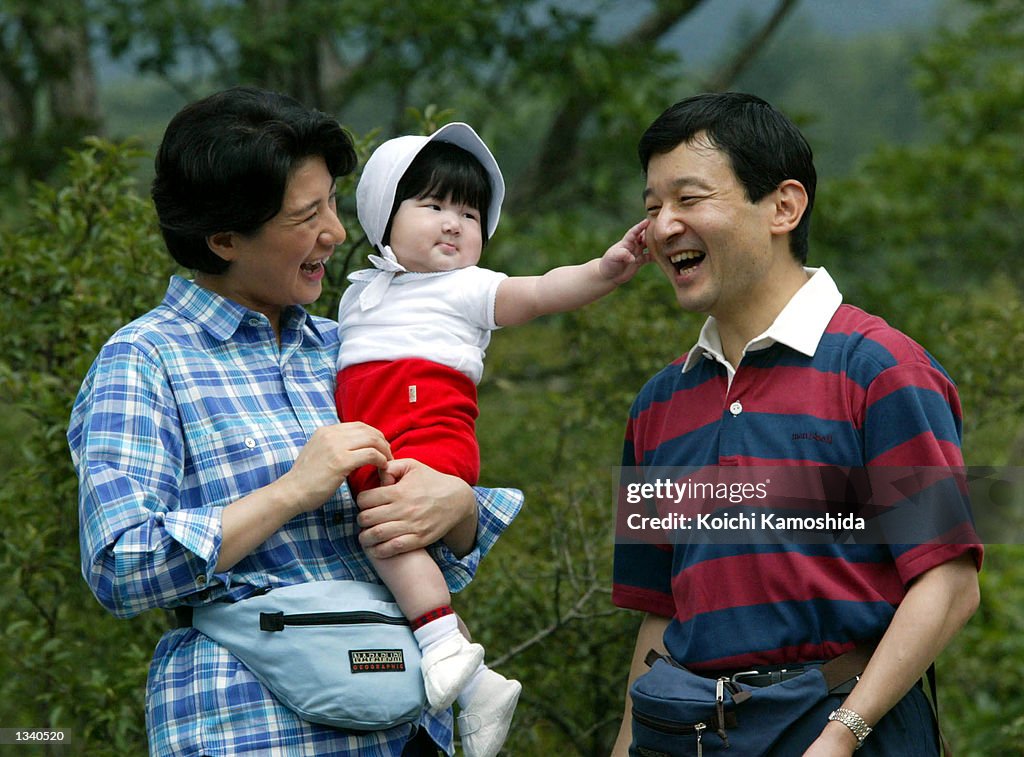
(680, 183)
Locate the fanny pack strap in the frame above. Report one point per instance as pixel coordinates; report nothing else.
(182, 617)
(841, 669)
(945, 748)
(846, 666)
(836, 671)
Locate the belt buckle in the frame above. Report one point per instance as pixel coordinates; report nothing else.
(744, 674)
(774, 676)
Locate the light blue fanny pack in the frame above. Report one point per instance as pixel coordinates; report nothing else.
(338, 653)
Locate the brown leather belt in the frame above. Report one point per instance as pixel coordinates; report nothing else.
(840, 673)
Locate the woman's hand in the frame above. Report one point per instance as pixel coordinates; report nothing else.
(415, 507)
(332, 453)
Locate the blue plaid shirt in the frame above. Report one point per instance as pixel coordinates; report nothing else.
(187, 409)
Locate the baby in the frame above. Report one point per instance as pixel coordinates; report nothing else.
(413, 333)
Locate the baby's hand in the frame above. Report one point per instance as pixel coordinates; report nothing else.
(624, 258)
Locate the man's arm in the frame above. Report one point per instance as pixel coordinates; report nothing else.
(522, 298)
(650, 636)
(937, 605)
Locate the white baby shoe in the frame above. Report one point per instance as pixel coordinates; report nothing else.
(485, 720)
(447, 666)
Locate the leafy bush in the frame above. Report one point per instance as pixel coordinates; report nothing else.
(915, 234)
(86, 258)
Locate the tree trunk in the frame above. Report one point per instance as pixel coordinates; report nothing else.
(295, 72)
(47, 84)
(556, 160)
(558, 157)
(71, 92)
(17, 116)
(746, 54)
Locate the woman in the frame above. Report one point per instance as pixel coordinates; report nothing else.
(210, 460)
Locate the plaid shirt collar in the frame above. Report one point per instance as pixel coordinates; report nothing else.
(220, 317)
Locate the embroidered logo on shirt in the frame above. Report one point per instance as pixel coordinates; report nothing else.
(376, 660)
(813, 436)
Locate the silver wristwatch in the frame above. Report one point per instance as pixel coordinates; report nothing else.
(854, 722)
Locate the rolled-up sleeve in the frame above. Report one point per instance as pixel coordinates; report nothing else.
(496, 508)
(139, 548)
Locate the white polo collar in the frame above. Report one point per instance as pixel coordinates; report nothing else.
(800, 325)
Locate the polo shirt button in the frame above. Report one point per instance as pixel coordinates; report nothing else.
(736, 408)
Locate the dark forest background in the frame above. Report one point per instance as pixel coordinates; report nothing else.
(915, 111)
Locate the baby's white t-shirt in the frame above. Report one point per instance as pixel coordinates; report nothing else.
(447, 317)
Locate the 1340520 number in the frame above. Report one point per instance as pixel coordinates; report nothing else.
(31, 735)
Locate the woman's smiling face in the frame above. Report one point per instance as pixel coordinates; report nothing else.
(282, 264)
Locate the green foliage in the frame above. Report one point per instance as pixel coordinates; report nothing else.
(861, 95)
(86, 258)
(924, 232)
(926, 236)
(950, 210)
(916, 233)
(46, 84)
(983, 714)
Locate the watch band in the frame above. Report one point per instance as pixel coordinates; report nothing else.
(854, 722)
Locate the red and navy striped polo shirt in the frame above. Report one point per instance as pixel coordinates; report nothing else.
(868, 396)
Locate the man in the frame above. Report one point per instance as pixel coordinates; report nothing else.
(784, 374)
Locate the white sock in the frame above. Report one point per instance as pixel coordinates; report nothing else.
(471, 685)
(436, 631)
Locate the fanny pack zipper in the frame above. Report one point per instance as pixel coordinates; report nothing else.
(667, 726)
(674, 729)
(276, 621)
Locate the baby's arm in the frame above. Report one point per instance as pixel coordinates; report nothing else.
(523, 298)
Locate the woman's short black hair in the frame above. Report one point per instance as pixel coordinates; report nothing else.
(442, 169)
(764, 147)
(225, 161)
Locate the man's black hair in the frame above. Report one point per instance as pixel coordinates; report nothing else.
(764, 147)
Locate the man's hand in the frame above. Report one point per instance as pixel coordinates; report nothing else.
(934, 609)
(836, 740)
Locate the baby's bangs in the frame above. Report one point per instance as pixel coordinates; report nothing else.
(464, 181)
(444, 170)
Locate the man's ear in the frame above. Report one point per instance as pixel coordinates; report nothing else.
(222, 244)
(790, 204)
